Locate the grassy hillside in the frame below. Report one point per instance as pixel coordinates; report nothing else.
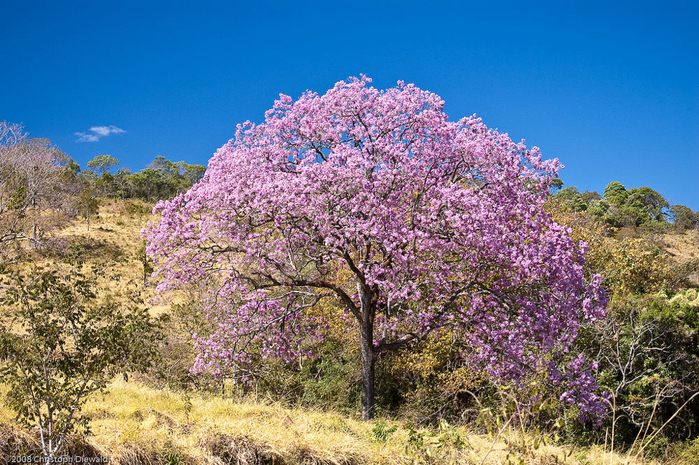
(682, 247)
(112, 242)
(135, 423)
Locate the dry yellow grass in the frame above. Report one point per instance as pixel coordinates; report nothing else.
(683, 247)
(111, 245)
(134, 424)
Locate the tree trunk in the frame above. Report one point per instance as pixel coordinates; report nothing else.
(33, 241)
(367, 351)
(368, 361)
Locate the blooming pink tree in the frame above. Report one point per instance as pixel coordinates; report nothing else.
(437, 223)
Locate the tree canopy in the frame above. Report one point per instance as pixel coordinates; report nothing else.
(374, 200)
(621, 207)
(103, 163)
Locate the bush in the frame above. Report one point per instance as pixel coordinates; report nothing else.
(58, 344)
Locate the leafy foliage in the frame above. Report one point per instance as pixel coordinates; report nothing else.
(649, 359)
(572, 198)
(162, 179)
(87, 204)
(646, 348)
(103, 163)
(619, 207)
(58, 344)
(684, 218)
(615, 193)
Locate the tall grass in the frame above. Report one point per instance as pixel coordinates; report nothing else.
(134, 424)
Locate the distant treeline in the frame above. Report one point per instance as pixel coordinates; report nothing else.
(162, 179)
(41, 188)
(621, 207)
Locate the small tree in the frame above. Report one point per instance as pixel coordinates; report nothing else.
(572, 198)
(142, 257)
(87, 204)
(373, 200)
(650, 202)
(615, 193)
(124, 187)
(192, 173)
(58, 344)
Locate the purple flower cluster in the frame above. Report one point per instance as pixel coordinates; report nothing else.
(581, 389)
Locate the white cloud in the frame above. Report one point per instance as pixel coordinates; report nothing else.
(97, 132)
(106, 130)
(86, 137)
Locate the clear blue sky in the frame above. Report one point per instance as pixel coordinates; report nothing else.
(611, 90)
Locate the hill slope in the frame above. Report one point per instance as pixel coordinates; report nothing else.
(137, 424)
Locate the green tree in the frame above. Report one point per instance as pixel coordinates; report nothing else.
(149, 184)
(590, 196)
(598, 209)
(72, 169)
(627, 215)
(556, 185)
(648, 358)
(633, 207)
(105, 185)
(572, 198)
(103, 163)
(615, 193)
(163, 165)
(684, 218)
(122, 183)
(59, 344)
(192, 173)
(651, 203)
(163, 179)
